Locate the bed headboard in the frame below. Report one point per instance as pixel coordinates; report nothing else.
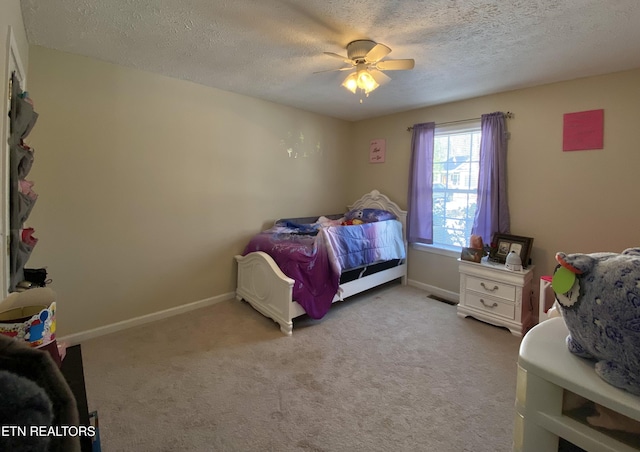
(372, 200)
(376, 200)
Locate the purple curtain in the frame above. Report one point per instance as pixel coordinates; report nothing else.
(420, 202)
(492, 213)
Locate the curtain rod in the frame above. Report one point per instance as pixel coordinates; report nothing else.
(507, 115)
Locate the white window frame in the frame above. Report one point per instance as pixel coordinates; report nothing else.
(438, 248)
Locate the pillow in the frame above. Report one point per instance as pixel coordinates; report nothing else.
(369, 215)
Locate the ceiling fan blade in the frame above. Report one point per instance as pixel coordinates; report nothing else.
(335, 70)
(395, 65)
(380, 77)
(340, 57)
(378, 52)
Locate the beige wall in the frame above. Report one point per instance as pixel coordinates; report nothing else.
(568, 201)
(148, 186)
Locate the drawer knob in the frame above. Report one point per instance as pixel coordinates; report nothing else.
(486, 288)
(494, 305)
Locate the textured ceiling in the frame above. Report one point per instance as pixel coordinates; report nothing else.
(270, 49)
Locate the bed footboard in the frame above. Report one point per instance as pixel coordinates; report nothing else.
(263, 285)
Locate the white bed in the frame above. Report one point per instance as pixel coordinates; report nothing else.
(263, 285)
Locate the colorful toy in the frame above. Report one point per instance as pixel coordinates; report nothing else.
(599, 298)
(29, 316)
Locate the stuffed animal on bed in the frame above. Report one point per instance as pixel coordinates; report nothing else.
(599, 298)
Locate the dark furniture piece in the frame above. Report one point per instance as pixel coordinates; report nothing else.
(74, 374)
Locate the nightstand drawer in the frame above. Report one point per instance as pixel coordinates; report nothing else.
(491, 305)
(493, 288)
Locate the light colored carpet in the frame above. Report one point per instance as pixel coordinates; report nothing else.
(389, 370)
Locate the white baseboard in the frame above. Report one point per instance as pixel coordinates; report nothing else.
(76, 338)
(437, 291)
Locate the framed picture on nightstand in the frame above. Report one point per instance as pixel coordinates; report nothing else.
(503, 244)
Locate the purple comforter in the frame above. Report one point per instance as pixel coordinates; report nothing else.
(305, 259)
(315, 262)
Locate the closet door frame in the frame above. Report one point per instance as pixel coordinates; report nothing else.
(13, 64)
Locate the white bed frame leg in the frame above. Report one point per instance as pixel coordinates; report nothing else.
(287, 329)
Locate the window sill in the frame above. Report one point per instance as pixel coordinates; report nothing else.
(453, 252)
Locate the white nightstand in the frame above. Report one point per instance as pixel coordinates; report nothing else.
(493, 294)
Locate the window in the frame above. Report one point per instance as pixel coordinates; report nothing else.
(456, 163)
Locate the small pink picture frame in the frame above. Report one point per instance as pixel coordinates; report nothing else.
(377, 150)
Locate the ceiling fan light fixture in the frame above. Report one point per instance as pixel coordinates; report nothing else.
(366, 82)
(351, 82)
(360, 80)
(366, 57)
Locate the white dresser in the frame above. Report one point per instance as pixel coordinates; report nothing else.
(493, 294)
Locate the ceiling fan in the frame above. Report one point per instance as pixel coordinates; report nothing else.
(366, 57)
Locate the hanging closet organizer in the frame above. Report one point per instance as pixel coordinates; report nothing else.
(22, 198)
